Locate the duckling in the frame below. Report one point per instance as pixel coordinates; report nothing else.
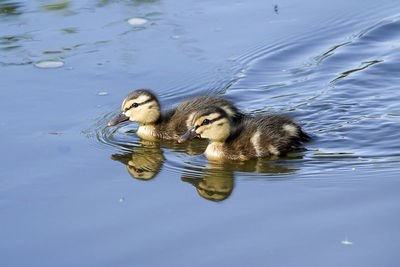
(142, 106)
(253, 137)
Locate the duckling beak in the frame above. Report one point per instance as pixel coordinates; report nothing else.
(118, 119)
(189, 135)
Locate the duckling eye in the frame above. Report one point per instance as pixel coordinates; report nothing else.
(134, 105)
(205, 122)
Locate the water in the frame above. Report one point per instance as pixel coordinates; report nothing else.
(75, 192)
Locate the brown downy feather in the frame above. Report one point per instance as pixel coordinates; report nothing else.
(251, 137)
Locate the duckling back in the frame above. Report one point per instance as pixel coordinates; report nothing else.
(254, 137)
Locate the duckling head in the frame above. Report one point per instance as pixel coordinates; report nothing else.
(212, 123)
(140, 106)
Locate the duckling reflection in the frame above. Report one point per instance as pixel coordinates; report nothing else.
(146, 160)
(195, 147)
(144, 163)
(216, 182)
(258, 165)
(215, 185)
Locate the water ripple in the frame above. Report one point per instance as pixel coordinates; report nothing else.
(330, 93)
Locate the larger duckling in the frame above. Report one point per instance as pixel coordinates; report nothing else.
(253, 137)
(143, 107)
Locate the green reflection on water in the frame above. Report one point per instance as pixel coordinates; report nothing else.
(12, 42)
(51, 52)
(330, 154)
(364, 66)
(69, 30)
(133, 2)
(56, 6)
(12, 47)
(9, 8)
(8, 39)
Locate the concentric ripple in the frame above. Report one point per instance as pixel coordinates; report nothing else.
(121, 137)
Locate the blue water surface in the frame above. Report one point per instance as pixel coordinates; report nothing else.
(75, 192)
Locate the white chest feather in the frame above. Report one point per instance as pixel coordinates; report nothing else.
(214, 151)
(147, 132)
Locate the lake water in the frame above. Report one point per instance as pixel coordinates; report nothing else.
(74, 192)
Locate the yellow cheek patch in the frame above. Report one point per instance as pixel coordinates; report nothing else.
(127, 113)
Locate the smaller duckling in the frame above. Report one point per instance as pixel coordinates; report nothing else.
(143, 107)
(253, 137)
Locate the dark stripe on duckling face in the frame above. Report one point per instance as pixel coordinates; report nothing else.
(135, 104)
(192, 132)
(204, 122)
(207, 122)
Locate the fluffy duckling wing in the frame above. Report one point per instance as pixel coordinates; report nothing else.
(278, 133)
(264, 136)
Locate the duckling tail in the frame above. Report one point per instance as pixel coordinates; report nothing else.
(304, 137)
